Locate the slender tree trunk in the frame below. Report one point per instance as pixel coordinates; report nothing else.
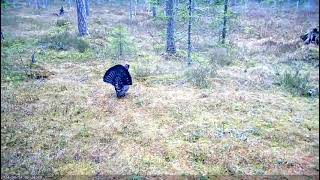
(171, 48)
(135, 7)
(145, 5)
(13, 3)
(46, 4)
(87, 4)
(120, 45)
(233, 3)
(297, 5)
(148, 8)
(193, 5)
(130, 10)
(154, 11)
(189, 33)
(37, 6)
(311, 5)
(69, 3)
(29, 3)
(82, 18)
(224, 29)
(176, 2)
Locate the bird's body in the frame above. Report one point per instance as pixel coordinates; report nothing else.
(61, 11)
(311, 37)
(120, 78)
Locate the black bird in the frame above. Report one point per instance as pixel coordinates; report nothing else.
(61, 11)
(311, 37)
(120, 78)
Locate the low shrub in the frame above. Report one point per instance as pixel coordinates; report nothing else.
(295, 82)
(64, 41)
(221, 57)
(198, 75)
(62, 22)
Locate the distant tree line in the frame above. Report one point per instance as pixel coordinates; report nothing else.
(170, 8)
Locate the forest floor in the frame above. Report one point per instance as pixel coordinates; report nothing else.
(243, 122)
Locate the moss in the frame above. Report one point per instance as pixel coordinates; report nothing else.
(77, 168)
(52, 56)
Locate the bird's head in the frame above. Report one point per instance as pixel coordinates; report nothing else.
(127, 66)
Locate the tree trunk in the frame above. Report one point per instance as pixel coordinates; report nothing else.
(29, 3)
(135, 7)
(154, 11)
(69, 3)
(46, 4)
(37, 6)
(224, 29)
(13, 3)
(297, 5)
(171, 49)
(82, 18)
(87, 4)
(233, 3)
(176, 2)
(120, 45)
(193, 5)
(189, 33)
(145, 4)
(130, 10)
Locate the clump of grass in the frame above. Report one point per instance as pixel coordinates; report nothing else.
(13, 42)
(221, 57)
(81, 45)
(145, 68)
(199, 75)
(62, 22)
(83, 132)
(12, 67)
(295, 82)
(64, 41)
(135, 177)
(169, 156)
(198, 156)
(141, 70)
(308, 55)
(10, 20)
(195, 136)
(53, 56)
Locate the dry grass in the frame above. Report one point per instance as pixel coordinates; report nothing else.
(73, 124)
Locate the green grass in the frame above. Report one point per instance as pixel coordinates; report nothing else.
(295, 82)
(52, 56)
(64, 41)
